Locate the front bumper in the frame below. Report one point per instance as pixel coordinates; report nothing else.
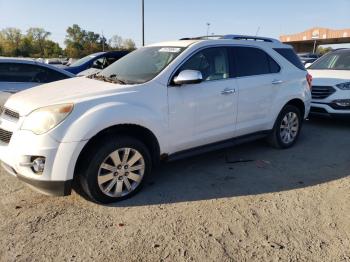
(328, 110)
(60, 160)
(52, 188)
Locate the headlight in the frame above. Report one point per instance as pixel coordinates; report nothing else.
(44, 119)
(344, 86)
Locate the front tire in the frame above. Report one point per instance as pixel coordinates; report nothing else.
(287, 128)
(116, 169)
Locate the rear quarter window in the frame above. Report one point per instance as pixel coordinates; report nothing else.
(291, 56)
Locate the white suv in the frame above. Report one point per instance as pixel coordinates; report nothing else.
(163, 101)
(331, 84)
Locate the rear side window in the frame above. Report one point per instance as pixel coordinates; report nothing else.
(290, 55)
(17, 72)
(253, 61)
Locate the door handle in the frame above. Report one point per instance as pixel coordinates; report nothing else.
(276, 82)
(228, 91)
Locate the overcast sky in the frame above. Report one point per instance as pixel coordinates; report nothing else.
(166, 20)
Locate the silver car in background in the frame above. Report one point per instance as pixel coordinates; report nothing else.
(17, 74)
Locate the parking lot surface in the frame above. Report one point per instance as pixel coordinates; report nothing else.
(248, 203)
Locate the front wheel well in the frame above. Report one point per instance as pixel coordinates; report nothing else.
(141, 133)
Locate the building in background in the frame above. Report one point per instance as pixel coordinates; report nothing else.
(309, 40)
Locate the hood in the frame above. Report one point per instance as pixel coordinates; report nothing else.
(66, 91)
(329, 77)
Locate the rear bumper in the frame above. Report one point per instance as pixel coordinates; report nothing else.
(52, 188)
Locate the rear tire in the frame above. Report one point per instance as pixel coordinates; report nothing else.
(116, 169)
(287, 128)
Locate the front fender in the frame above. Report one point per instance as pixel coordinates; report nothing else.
(85, 123)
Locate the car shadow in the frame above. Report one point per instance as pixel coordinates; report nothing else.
(320, 156)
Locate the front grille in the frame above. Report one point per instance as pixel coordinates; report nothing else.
(5, 136)
(321, 92)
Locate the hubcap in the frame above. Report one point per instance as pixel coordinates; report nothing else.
(289, 127)
(121, 172)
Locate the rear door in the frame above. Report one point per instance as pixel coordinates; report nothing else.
(258, 78)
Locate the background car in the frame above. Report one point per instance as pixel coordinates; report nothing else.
(308, 58)
(97, 61)
(20, 74)
(331, 84)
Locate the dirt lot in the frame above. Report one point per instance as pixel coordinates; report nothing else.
(289, 205)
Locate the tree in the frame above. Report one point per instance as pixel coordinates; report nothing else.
(323, 50)
(39, 35)
(116, 42)
(11, 39)
(128, 44)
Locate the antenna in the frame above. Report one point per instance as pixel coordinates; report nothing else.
(257, 31)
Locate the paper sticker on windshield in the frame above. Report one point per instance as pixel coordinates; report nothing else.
(170, 49)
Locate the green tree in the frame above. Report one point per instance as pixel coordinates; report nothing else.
(11, 40)
(323, 50)
(39, 36)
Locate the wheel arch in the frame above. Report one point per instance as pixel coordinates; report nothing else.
(298, 103)
(133, 130)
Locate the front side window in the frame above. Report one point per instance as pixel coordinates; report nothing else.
(333, 61)
(252, 61)
(141, 65)
(212, 62)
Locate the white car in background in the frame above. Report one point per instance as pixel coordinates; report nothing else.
(161, 102)
(331, 84)
(20, 74)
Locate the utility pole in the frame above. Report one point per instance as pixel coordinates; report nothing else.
(103, 42)
(143, 23)
(208, 27)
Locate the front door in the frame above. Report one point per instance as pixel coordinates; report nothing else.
(203, 113)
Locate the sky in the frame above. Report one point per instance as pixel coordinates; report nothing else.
(169, 20)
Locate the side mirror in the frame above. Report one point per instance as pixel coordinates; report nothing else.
(188, 77)
(307, 65)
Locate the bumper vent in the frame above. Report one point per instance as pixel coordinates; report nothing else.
(5, 136)
(10, 114)
(321, 92)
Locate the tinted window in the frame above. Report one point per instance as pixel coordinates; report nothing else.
(211, 62)
(290, 55)
(253, 61)
(274, 67)
(16, 72)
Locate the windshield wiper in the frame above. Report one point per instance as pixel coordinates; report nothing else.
(109, 79)
(114, 77)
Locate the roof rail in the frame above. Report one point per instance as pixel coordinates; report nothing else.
(203, 37)
(234, 37)
(248, 37)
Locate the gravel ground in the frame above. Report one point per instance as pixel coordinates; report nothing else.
(248, 203)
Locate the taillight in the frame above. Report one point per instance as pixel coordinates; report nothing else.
(309, 80)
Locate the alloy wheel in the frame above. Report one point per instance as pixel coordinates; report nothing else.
(121, 172)
(289, 127)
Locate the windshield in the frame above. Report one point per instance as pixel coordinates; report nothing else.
(141, 65)
(333, 61)
(83, 60)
